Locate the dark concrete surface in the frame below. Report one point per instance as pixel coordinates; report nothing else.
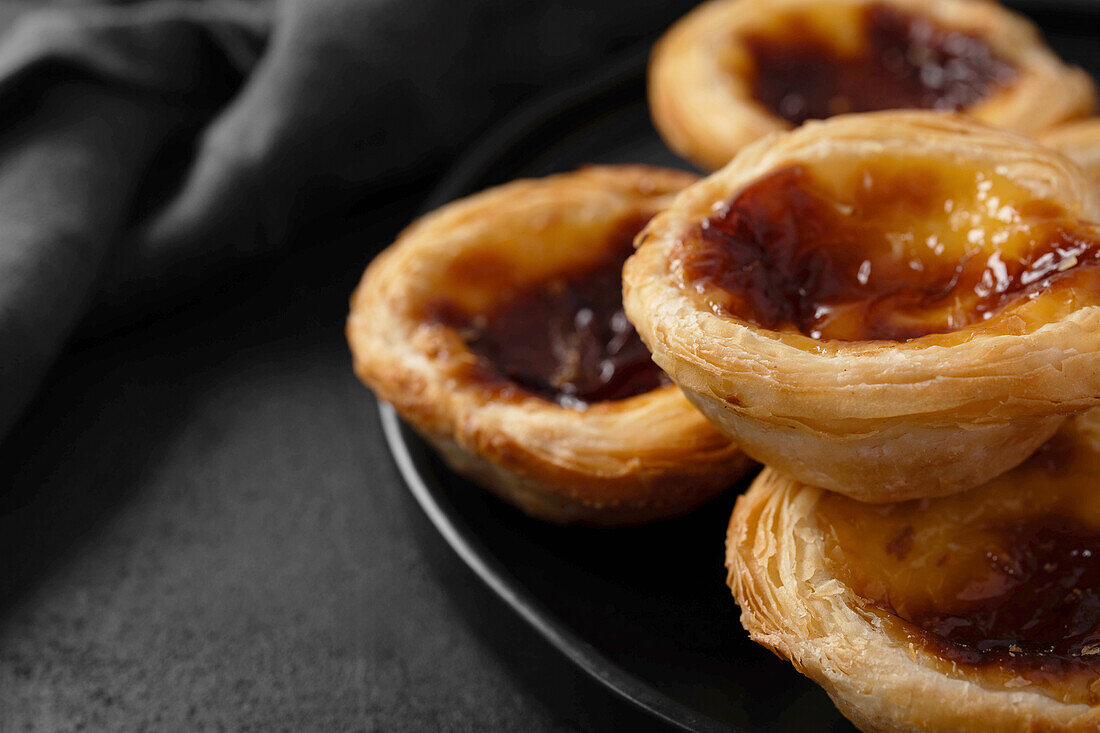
(201, 529)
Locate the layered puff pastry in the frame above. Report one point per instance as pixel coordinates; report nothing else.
(974, 612)
(494, 326)
(890, 305)
(732, 71)
(1079, 141)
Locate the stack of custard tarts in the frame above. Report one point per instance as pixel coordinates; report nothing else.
(896, 310)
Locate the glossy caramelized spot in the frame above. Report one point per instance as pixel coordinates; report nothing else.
(1040, 598)
(1003, 580)
(903, 61)
(884, 249)
(566, 340)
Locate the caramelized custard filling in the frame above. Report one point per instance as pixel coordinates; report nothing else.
(899, 61)
(567, 339)
(1003, 580)
(1040, 598)
(890, 248)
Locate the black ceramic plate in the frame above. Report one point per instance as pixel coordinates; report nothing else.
(645, 611)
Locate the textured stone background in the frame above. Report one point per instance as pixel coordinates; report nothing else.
(201, 529)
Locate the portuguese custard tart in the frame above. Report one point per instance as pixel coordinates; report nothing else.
(974, 612)
(495, 327)
(734, 70)
(1079, 141)
(890, 305)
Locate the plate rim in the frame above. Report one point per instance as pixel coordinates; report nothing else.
(510, 589)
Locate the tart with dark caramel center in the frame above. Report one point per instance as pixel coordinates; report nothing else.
(979, 611)
(495, 327)
(733, 70)
(890, 305)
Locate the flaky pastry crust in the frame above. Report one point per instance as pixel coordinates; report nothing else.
(704, 108)
(876, 420)
(880, 676)
(1079, 141)
(618, 462)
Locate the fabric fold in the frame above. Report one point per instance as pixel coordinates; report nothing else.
(147, 144)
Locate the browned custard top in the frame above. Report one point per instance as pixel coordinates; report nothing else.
(886, 248)
(901, 61)
(566, 339)
(1042, 599)
(1003, 580)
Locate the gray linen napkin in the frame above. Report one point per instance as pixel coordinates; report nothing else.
(145, 144)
